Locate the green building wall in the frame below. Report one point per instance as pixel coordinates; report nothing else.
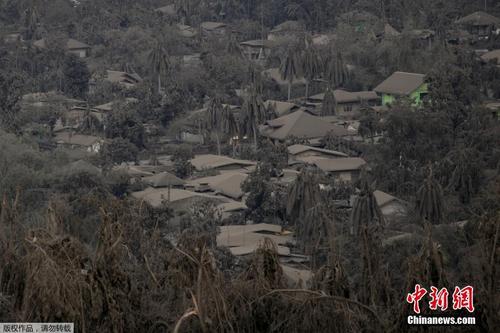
(416, 96)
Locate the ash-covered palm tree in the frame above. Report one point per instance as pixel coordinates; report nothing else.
(303, 195)
(253, 114)
(233, 47)
(336, 71)
(329, 103)
(310, 66)
(90, 123)
(290, 69)
(186, 9)
(31, 21)
(214, 118)
(430, 201)
(159, 62)
(315, 232)
(228, 125)
(466, 172)
(365, 211)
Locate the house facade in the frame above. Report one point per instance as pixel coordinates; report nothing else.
(403, 85)
(479, 24)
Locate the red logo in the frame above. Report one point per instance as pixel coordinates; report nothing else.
(462, 298)
(416, 297)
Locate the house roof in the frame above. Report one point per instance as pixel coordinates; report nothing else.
(107, 107)
(479, 19)
(76, 139)
(492, 55)
(232, 206)
(401, 83)
(212, 25)
(297, 277)
(127, 79)
(186, 30)
(71, 44)
(258, 43)
(344, 96)
(228, 184)
(281, 108)
(297, 149)
(421, 33)
(168, 9)
(390, 31)
(336, 164)
(245, 239)
(209, 161)
(156, 196)
(164, 179)
(300, 124)
(288, 26)
(383, 198)
(275, 75)
(323, 39)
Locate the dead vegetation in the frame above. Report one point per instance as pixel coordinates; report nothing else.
(136, 279)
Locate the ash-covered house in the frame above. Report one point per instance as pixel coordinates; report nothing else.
(347, 103)
(73, 46)
(281, 108)
(300, 125)
(177, 199)
(87, 143)
(128, 80)
(213, 29)
(186, 31)
(287, 31)
(256, 50)
(479, 24)
(227, 184)
(221, 163)
(403, 85)
(345, 169)
(492, 56)
(301, 152)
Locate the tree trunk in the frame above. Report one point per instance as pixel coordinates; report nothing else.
(307, 90)
(217, 138)
(255, 137)
(159, 83)
(289, 90)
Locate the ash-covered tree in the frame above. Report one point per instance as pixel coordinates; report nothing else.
(10, 95)
(302, 196)
(219, 121)
(316, 233)
(290, 69)
(159, 63)
(454, 88)
(181, 158)
(124, 122)
(365, 212)
(253, 114)
(466, 172)
(265, 200)
(335, 71)
(311, 67)
(329, 104)
(430, 201)
(76, 77)
(118, 150)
